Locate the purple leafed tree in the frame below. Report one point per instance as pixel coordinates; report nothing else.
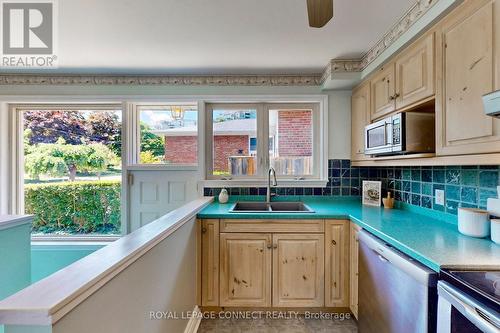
(48, 126)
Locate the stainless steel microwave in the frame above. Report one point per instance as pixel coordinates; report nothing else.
(409, 132)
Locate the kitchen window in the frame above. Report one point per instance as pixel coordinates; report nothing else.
(168, 134)
(244, 140)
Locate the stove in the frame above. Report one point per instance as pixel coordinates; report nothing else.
(469, 301)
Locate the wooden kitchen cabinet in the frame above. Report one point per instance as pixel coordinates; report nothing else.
(415, 72)
(250, 266)
(298, 270)
(353, 268)
(210, 262)
(360, 117)
(469, 55)
(337, 263)
(245, 269)
(383, 90)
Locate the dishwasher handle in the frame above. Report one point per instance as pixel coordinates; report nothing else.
(390, 255)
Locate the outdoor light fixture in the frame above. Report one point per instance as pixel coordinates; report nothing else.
(177, 112)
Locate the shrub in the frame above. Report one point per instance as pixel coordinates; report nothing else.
(75, 207)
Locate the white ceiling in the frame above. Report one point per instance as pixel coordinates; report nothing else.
(214, 36)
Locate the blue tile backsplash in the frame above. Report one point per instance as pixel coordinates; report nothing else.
(464, 186)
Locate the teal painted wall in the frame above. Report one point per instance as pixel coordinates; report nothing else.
(48, 259)
(15, 259)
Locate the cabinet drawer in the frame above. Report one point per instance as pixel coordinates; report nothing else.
(272, 225)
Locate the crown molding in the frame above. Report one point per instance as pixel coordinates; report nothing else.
(334, 67)
(175, 80)
(417, 10)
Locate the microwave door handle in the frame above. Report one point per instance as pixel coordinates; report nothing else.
(387, 133)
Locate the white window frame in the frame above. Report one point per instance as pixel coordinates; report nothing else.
(16, 167)
(209, 108)
(134, 132)
(320, 144)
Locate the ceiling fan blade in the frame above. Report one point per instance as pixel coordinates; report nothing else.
(319, 12)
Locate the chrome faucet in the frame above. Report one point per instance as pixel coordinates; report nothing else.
(275, 183)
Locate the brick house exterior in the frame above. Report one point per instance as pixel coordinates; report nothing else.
(293, 135)
(183, 149)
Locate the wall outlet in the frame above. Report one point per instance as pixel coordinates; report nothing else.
(439, 197)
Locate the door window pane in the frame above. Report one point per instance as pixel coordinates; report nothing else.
(291, 142)
(234, 142)
(72, 162)
(169, 135)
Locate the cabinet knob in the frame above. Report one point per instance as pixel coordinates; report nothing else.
(203, 230)
(269, 246)
(275, 246)
(334, 242)
(397, 95)
(391, 98)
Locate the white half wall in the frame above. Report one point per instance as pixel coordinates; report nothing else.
(163, 279)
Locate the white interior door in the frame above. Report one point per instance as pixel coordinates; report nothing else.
(153, 193)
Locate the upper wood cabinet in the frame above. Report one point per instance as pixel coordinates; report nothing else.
(245, 269)
(383, 90)
(406, 80)
(298, 270)
(415, 72)
(337, 263)
(469, 66)
(360, 117)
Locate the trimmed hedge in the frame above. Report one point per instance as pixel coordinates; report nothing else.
(75, 207)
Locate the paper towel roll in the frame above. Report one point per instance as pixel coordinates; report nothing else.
(493, 206)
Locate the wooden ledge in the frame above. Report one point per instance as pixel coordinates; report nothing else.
(48, 300)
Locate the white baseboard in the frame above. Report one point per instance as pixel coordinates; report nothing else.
(194, 322)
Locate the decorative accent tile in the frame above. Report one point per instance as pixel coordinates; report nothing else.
(488, 179)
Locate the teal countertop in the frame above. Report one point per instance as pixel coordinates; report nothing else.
(428, 236)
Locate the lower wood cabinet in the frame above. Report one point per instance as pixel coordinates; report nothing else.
(337, 263)
(282, 268)
(353, 268)
(210, 262)
(245, 269)
(298, 270)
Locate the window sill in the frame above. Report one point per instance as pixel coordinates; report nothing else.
(263, 183)
(161, 167)
(74, 240)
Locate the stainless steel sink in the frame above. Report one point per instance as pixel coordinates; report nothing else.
(285, 206)
(242, 207)
(273, 207)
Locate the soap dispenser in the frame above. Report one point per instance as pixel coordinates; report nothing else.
(223, 196)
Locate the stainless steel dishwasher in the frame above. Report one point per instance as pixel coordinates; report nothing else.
(396, 293)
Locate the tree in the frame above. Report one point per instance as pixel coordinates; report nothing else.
(59, 159)
(48, 126)
(104, 127)
(152, 142)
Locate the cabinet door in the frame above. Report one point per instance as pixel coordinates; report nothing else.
(245, 269)
(469, 41)
(337, 263)
(298, 270)
(360, 117)
(382, 92)
(210, 262)
(353, 268)
(415, 73)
